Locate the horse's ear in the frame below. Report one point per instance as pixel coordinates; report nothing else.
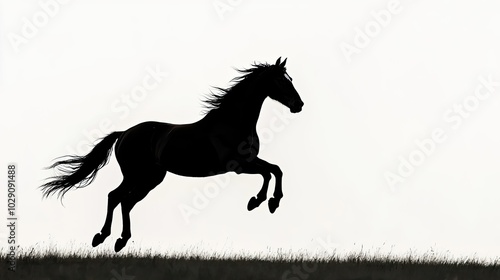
(278, 61)
(283, 63)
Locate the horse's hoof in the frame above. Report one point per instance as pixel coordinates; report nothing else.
(120, 243)
(98, 239)
(273, 204)
(253, 203)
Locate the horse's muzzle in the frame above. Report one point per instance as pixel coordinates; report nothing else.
(297, 107)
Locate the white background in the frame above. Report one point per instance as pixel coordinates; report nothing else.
(363, 113)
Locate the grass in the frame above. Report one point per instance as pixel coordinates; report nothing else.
(51, 263)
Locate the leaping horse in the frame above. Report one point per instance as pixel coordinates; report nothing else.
(224, 140)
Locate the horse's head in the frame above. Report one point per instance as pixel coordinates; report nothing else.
(281, 89)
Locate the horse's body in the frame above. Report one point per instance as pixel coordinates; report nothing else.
(224, 140)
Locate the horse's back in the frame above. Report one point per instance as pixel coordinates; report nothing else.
(188, 150)
(199, 149)
(137, 144)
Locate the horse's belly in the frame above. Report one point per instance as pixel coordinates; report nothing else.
(191, 158)
(193, 166)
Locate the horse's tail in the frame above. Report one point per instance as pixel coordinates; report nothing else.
(80, 171)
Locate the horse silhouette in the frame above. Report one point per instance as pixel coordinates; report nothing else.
(224, 140)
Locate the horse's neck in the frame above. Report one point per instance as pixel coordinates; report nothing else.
(248, 109)
(243, 114)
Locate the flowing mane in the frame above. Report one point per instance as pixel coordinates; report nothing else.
(215, 100)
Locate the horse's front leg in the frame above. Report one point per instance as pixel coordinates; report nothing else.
(259, 166)
(255, 167)
(274, 202)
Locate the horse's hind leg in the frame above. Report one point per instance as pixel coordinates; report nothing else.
(141, 189)
(127, 204)
(114, 197)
